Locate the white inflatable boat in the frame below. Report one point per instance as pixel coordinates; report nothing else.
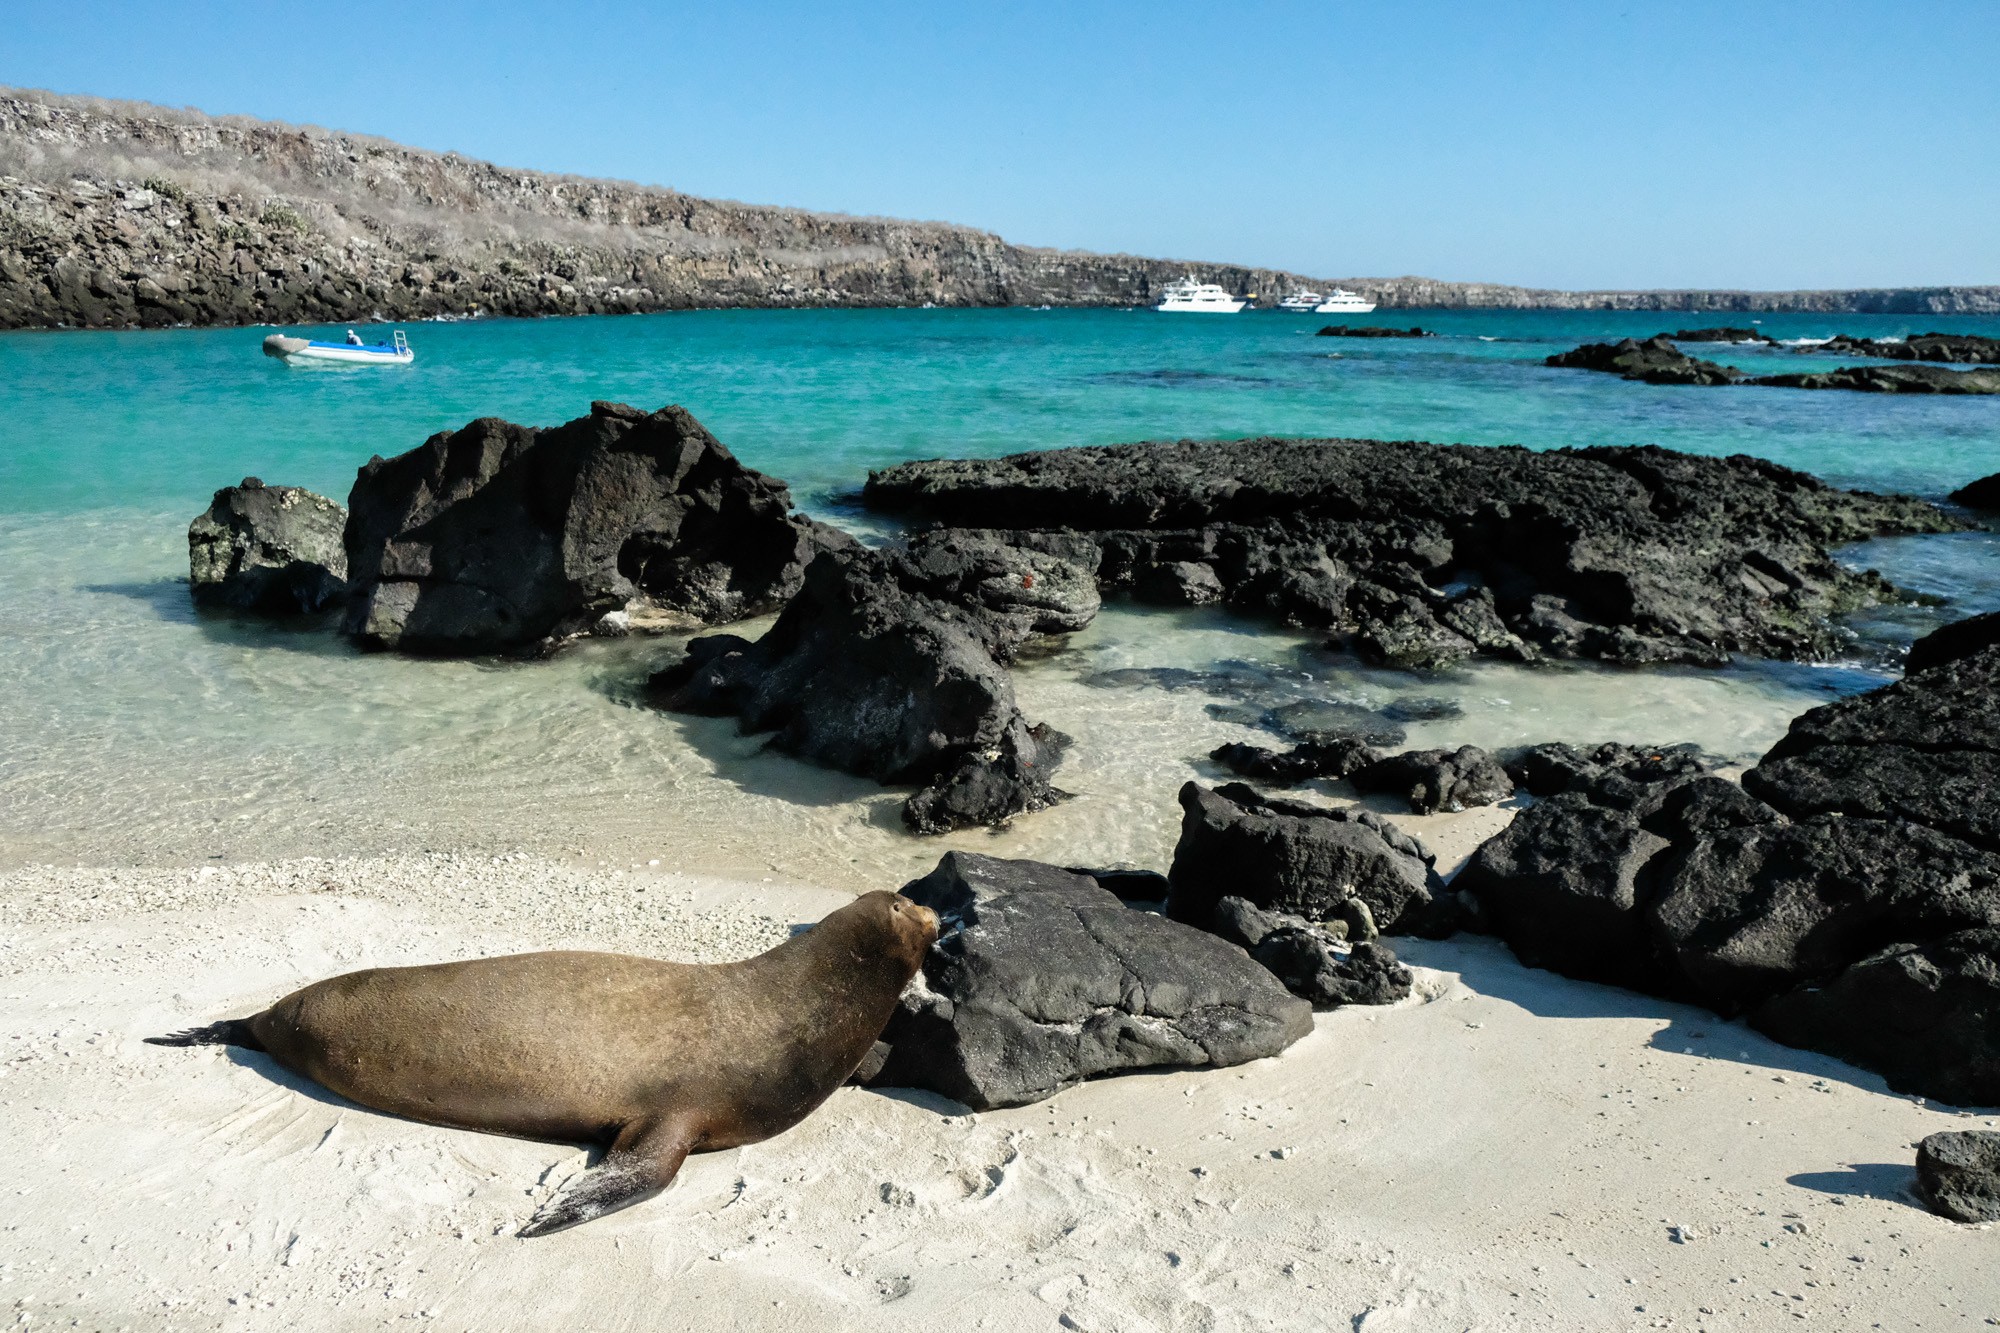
(394, 353)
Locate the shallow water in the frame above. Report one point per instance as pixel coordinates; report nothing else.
(138, 730)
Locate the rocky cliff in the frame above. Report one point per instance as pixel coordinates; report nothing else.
(121, 215)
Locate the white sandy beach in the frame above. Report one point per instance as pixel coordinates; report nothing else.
(1506, 1149)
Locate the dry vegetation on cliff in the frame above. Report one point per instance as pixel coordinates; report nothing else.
(118, 214)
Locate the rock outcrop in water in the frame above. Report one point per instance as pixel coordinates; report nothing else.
(892, 665)
(1042, 979)
(268, 550)
(1845, 897)
(1717, 335)
(1372, 331)
(496, 536)
(1421, 554)
(1658, 361)
(1963, 348)
(1888, 379)
(1654, 361)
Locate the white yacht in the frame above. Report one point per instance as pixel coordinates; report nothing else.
(1187, 294)
(1344, 302)
(1301, 302)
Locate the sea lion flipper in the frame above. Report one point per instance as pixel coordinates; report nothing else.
(643, 1160)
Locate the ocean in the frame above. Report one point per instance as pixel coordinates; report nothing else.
(140, 732)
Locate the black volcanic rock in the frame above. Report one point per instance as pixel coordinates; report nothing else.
(1330, 757)
(1846, 896)
(1948, 643)
(1421, 554)
(1042, 979)
(889, 664)
(1981, 494)
(1433, 780)
(1654, 361)
(1888, 379)
(1717, 335)
(1924, 1016)
(496, 536)
(1372, 331)
(269, 550)
(1958, 1173)
(1313, 962)
(1312, 862)
(1963, 348)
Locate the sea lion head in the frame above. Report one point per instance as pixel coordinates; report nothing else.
(898, 927)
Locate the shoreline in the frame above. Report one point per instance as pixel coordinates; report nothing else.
(1505, 1148)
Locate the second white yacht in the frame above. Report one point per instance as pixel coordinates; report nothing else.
(1189, 295)
(1301, 302)
(1344, 302)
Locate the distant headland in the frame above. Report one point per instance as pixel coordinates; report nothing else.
(125, 215)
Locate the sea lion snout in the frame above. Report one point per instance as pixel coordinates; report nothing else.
(924, 915)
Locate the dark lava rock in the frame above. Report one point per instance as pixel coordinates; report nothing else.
(1311, 961)
(1959, 1174)
(1717, 335)
(1422, 554)
(1746, 914)
(1888, 379)
(1372, 331)
(1332, 758)
(1926, 749)
(1654, 361)
(1144, 886)
(1846, 896)
(1924, 1016)
(496, 535)
(1964, 348)
(1566, 884)
(1291, 857)
(271, 550)
(1612, 771)
(889, 664)
(1433, 780)
(1982, 494)
(1044, 979)
(1948, 643)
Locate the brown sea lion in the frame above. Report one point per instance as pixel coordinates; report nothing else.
(656, 1059)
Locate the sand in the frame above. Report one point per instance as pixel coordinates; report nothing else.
(1507, 1149)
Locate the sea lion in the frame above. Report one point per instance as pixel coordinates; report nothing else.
(656, 1059)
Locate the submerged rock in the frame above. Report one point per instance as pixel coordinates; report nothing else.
(1434, 780)
(1958, 1173)
(270, 550)
(1419, 555)
(1312, 862)
(496, 536)
(890, 665)
(1043, 979)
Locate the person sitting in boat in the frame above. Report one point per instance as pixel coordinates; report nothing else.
(353, 338)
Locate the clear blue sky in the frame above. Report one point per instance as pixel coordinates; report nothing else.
(1615, 143)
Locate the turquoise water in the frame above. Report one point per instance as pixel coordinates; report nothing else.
(138, 730)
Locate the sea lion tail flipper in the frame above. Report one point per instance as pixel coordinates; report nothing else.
(643, 1160)
(229, 1032)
